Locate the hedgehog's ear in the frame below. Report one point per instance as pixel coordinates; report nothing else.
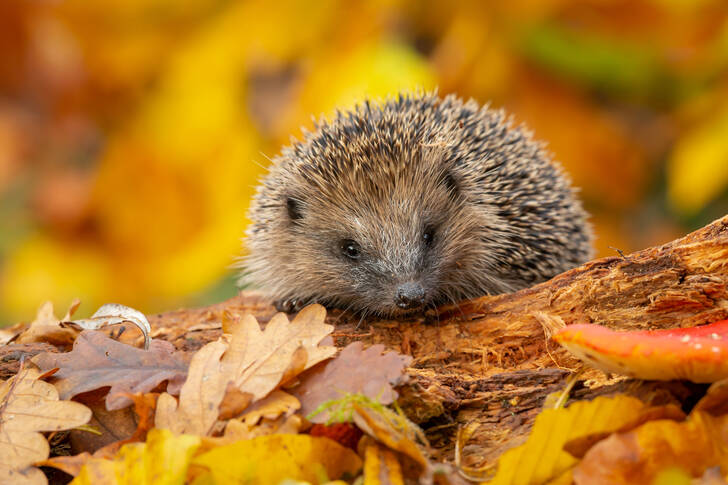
(449, 181)
(293, 207)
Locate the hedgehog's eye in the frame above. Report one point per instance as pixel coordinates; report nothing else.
(350, 249)
(428, 236)
(294, 209)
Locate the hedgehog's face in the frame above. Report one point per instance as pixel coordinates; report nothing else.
(386, 251)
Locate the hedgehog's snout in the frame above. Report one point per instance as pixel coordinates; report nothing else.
(410, 295)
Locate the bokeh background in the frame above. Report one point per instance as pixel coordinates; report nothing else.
(132, 132)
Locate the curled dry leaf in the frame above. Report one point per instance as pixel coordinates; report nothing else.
(98, 361)
(47, 328)
(112, 314)
(396, 434)
(354, 371)
(638, 456)
(27, 406)
(698, 354)
(255, 362)
(381, 462)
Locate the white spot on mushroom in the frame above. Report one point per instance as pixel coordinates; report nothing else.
(715, 336)
(715, 349)
(698, 346)
(685, 338)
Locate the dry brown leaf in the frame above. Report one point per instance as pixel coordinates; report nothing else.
(47, 328)
(277, 403)
(255, 362)
(355, 370)
(27, 406)
(98, 361)
(113, 314)
(200, 396)
(259, 359)
(238, 430)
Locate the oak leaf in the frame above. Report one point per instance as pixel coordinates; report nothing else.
(354, 371)
(47, 328)
(254, 363)
(98, 361)
(27, 406)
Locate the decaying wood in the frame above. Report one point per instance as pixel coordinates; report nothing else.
(489, 360)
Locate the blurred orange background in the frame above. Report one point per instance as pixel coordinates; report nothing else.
(132, 132)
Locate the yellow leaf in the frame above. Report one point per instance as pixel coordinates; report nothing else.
(270, 459)
(697, 171)
(542, 458)
(162, 460)
(380, 464)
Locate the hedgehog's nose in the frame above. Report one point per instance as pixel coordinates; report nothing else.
(410, 295)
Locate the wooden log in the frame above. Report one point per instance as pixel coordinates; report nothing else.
(489, 360)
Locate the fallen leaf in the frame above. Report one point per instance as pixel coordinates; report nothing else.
(345, 434)
(392, 430)
(144, 406)
(638, 456)
(255, 362)
(112, 314)
(715, 400)
(698, 354)
(355, 371)
(542, 458)
(277, 403)
(259, 359)
(271, 459)
(578, 447)
(237, 430)
(27, 406)
(381, 466)
(47, 328)
(98, 361)
(163, 459)
(200, 396)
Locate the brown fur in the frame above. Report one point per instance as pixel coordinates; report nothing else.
(502, 213)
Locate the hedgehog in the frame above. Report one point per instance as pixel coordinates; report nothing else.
(398, 206)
